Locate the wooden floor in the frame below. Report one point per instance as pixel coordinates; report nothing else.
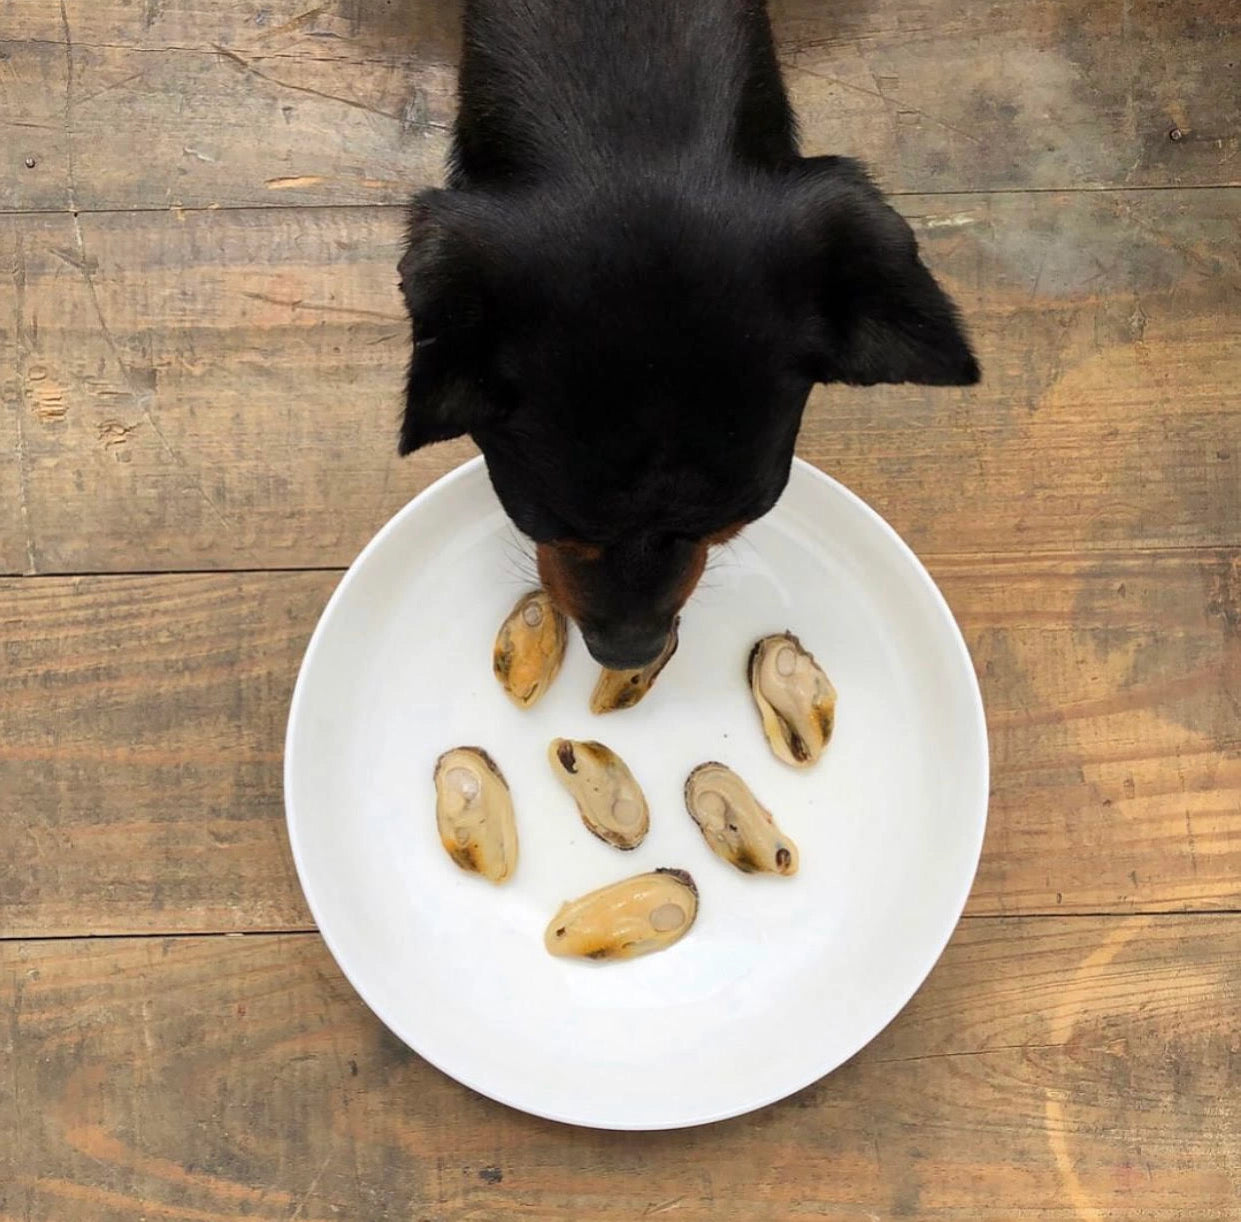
(201, 347)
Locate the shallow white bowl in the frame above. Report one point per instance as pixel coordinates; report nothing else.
(781, 980)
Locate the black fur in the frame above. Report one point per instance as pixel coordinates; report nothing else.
(632, 280)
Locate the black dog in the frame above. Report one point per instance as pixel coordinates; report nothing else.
(631, 283)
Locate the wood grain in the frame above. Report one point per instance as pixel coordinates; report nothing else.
(201, 390)
(1053, 1069)
(143, 721)
(211, 390)
(15, 534)
(349, 101)
(316, 129)
(141, 737)
(1113, 692)
(1014, 95)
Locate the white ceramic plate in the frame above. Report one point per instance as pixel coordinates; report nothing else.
(780, 980)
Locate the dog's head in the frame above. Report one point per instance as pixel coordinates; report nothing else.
(633, 363)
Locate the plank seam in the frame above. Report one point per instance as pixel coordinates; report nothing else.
(307, 930)
(380, 205)
(1055, 555)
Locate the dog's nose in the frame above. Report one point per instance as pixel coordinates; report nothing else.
(625, 647)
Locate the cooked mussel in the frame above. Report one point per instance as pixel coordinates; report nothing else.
(474, 812)
(608, 798)
(735, 825)
(529, 648)
(795, 699)
(622, 689)
(636, 916)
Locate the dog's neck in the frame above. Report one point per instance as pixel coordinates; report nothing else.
(552, 90)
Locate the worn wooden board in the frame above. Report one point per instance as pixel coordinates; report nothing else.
(143, 721)
(1051, 1069)
(217, 389)
(348, 101)
(15, 535)
(204, 390)
(220, 128)
(141, 737)
(1113, 692)
(1014, 95)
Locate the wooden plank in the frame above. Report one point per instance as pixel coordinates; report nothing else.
(1013, 95)
(1051, 1069)
(227, 388)
(348, 30)
(348, 101)
(15, 541)
(1113, 688)
(221, 389)
(141, 737)
(143, 718)
(130, 125)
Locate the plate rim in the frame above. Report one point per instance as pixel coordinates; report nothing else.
(982, 780)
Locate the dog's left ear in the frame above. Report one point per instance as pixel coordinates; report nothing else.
(878, 314)
(448, 285)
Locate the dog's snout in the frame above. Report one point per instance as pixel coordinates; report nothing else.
(623, 598)
(625, 647)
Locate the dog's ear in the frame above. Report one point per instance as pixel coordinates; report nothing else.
(448, 284)
(878, 314)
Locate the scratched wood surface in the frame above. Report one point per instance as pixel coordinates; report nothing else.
(143, 719)
(220, 389)
(348, 101)
(201, 349)
(1060, 1069)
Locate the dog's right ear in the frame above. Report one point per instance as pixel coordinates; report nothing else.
(447, 285)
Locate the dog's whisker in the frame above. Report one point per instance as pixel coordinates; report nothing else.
(725, 555)
(519, 559)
